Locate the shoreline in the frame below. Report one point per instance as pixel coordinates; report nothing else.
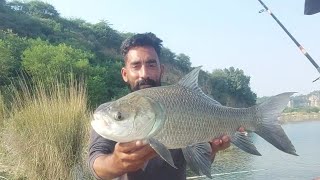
(299, 117)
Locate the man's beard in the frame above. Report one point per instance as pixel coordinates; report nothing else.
(144, 82)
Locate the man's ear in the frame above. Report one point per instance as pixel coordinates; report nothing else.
(124, 74)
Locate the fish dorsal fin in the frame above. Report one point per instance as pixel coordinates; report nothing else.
(190, 81)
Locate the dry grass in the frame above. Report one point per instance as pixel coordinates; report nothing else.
(2, 112)
(2, 153)
(47, 131)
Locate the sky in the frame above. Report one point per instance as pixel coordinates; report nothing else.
(221, 34)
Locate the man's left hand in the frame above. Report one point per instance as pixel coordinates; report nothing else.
(221, 143)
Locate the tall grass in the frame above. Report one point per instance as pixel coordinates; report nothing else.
(2, 116)
(2, 112)
(47, 130)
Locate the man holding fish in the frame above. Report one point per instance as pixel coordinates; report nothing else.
(137, 159)
(177, 122)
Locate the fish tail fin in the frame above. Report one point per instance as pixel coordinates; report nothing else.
(268, 126)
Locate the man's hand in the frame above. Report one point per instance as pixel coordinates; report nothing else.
(126, 157)
(221, 143)
(132, 156)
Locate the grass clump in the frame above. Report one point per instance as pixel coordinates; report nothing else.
(2, 112)
(47, 130)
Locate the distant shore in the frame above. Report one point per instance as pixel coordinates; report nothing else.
(299, 117)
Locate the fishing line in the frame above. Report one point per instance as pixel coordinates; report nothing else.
(304, 51)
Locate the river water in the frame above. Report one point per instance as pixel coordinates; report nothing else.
(273, 164)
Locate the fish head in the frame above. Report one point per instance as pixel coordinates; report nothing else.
(132, 117)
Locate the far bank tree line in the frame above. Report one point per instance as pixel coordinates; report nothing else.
(36, 40)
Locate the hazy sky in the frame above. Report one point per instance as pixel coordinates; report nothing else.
(221, 34)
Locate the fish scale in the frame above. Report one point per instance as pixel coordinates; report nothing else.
(199, 121)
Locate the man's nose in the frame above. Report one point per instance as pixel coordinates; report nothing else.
(144, 72)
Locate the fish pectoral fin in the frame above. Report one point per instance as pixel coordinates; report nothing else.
(163, 152)
(198, 157)
(242, 141)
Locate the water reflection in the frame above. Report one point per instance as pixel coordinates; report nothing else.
(274, 164)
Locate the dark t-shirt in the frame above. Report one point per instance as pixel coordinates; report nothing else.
(156, 169)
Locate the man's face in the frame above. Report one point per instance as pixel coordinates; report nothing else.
(142, 68)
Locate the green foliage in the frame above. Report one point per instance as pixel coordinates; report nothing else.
(55, 45)
(7, 62)
(41, 9)
(302, 110)
(2, 4)
(44, 60)
(34, 8)
(11, 48)
(15, 43)
(231, 87)
(183, 61)
(105, 83)
(108, 37)
(180, 61)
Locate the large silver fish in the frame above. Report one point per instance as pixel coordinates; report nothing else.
(182, 116)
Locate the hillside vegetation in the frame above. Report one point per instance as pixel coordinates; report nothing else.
(35, 39)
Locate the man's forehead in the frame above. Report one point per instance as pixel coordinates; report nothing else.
(142, 50)
(142, 55)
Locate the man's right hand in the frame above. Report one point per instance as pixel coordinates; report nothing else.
(126, 157)
(132, 156)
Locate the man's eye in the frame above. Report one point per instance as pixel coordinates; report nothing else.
(135, 66)
(152, 65)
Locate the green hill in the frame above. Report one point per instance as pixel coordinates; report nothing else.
(35, 39)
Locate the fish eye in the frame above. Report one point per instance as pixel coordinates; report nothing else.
(117, 116)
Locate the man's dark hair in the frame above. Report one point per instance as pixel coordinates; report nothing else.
(145, 39)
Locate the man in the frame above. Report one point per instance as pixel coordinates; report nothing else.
(108, 159)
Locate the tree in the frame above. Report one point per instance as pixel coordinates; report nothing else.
(7, 63)
(45, 60)
(2, 2)
(18, 6)
(35, 8)
(41, 9)
(183, 61)
(167, 55)
(108, 37)
(232, 88)
(11, 49)
(105, 83)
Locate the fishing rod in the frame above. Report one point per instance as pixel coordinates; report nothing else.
(304, 51)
